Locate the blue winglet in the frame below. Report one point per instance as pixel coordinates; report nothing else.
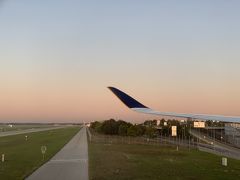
(126, 99)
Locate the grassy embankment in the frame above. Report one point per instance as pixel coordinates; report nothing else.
(132, 161)
(23, 157)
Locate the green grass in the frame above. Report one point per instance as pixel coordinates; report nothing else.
(131, 161)
(23, 157)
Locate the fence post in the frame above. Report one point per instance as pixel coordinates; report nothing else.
(3, 157)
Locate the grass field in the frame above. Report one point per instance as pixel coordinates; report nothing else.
(131, 161)
(23, 157)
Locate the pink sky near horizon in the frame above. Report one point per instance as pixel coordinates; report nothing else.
(69, 102)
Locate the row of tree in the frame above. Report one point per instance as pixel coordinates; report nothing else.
(122, 128)
(150, 128)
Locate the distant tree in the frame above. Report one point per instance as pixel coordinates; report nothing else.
(97, 126)
(110, 127)
(94, 124)
(147, 123)
(150, 123)
(151, 132)
(154, 122)
(140, 130)
(121, 122)
(123, 129)
(162, 122)
(132, 131)
(136, 130)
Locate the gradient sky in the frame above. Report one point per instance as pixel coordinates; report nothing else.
(57, 58)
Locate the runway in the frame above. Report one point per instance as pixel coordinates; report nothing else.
(70, 163)
(11, 133)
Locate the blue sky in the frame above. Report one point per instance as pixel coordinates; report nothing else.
(167, 52)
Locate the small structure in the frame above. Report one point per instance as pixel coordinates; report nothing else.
(43, 150)
(3, 157)
(174, 130)
(198, 124)
(224, 161)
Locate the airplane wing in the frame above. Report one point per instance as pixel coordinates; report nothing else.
(138, 107)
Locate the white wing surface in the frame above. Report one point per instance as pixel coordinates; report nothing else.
(138, 107)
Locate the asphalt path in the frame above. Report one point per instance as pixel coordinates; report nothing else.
(70, 163)
(11, 133)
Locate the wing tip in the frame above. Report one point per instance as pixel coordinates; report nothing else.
(126, 99)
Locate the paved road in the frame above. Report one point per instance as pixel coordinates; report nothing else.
(70, 163)
(11, 133)
(217, 147)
